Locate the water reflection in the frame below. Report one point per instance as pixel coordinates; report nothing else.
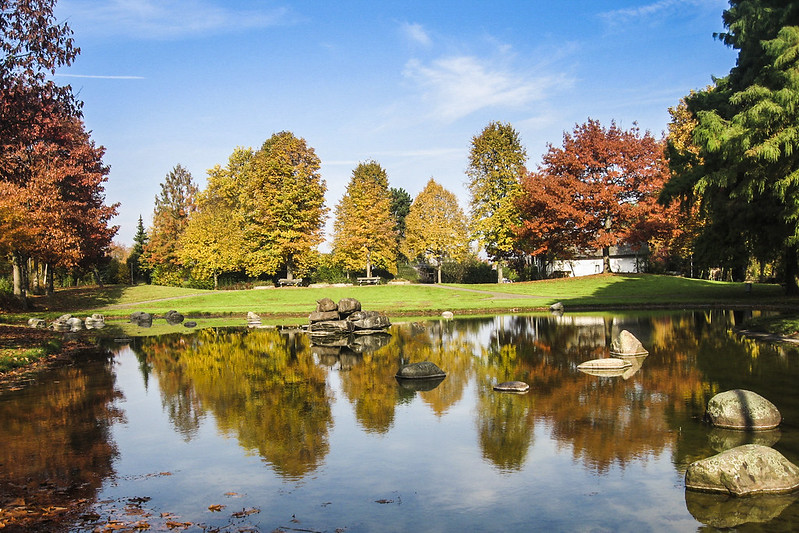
(281, 400)
(55, 445)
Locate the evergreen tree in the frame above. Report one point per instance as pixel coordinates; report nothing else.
(746, 174)
(400, 207)
(137, 271)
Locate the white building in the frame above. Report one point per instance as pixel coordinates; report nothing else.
(622, 259)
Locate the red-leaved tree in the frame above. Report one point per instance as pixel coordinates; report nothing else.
(598, 190)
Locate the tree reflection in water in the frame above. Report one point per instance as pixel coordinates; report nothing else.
(55, 444)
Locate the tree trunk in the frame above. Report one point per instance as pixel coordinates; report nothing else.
(606, 259)
(289, 271)
(20, 273)
(49, 283)
(439, 272)
(500, 277)
(791, 270)
(368, 263)
(98, 279)
(216, 281)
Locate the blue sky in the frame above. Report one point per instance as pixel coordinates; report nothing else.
(406, 83)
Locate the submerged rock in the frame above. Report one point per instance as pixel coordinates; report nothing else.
(423, 370)
(141, 319)
(747, 469)
(742, 409)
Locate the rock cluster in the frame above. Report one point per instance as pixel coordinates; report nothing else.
(66, 323)
(344, 318)
(173, 318)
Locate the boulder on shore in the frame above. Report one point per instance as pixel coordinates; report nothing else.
(747, 469)
(742, 409)
(173, 318)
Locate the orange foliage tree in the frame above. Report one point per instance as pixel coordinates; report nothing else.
(599, 190)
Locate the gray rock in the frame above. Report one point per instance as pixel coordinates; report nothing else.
(75, 324)
(190, 324)
(38, 323)
(347, 306)
(370, 320)
(322, 316)
(174, 318)
(627, 344)
(422, 370)
(331, 327)
(141, 319)
(512, 386)
(742, 409)
(96, 321)
(252, 317)
(326, 304)
(557, 307)
(447, 315)
(747, 469)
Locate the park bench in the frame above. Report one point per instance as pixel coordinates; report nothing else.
(284, 282)
(369, 281)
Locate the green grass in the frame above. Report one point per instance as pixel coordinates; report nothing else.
(617, 291)
(11, 358)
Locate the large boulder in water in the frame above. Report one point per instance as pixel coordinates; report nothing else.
(724, 511)
(347, 306)
(141, 319)
(627, 344)
(422, 370)
(742, 409)
(747, 469)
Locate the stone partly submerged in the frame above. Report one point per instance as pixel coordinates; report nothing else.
(744, 470)
(517, 387)
(422, 370)
(626, 343)
(742, 409)
(607, 367)
(423, 376)
(721, 439)
(723, 511)
(141, 319)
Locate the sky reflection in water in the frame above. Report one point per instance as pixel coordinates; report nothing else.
(321, 438)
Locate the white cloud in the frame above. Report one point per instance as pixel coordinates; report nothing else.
(164, 19)
(458, 86)
(656, 8)
(416, 34)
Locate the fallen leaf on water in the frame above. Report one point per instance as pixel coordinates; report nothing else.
(232, 494)
(384, 501)
(245, 512)
(215, 508)
(171, 524)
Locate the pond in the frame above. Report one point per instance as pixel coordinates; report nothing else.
(258, 430)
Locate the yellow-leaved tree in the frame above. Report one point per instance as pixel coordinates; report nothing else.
(435, 228)
(364, 234)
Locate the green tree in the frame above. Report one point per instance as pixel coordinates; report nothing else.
(364, 234)
(436, 227)
(173, 206)
(747, 131)
(400, 207)
(282, 204)
(496, 164)
(137, 271)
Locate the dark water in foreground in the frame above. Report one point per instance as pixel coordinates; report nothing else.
(225, 430)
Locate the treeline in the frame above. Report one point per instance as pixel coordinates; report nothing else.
(53, 217)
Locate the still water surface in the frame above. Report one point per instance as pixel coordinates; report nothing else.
(231, 430)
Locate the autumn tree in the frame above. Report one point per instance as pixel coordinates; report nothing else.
(173, 206)
(436, 228)
(746, 130)
(599, 190)
(213, 242)
(364, 234)
(496, 165)
(282, 203)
